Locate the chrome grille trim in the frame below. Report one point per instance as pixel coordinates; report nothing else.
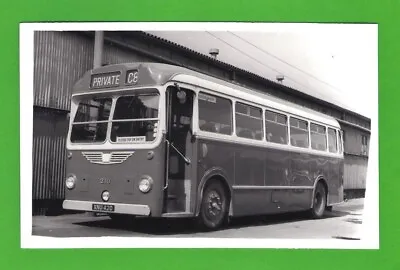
(107, 158)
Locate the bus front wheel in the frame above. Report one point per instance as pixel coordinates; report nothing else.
(319, 204)
(214, 206)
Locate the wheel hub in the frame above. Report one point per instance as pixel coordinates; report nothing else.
(214, 204)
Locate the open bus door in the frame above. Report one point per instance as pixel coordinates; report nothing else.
(180, 149)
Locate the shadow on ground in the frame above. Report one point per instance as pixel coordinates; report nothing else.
(166, 227)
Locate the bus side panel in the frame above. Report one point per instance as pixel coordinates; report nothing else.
(250, 171)
(329, 169)
(214, 156)
(277, 174)
(277, 167)
(243, 166)
(302, 174)
(334, 181)
(341, 181)
(320, 166)
(246, 166)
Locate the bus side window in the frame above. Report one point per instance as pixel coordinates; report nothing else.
(276, 127)
(318, 137)
(209, 126)
(293, 142)
(215, 114)
(226, 129)
(248, 121)
(245, 133)
(332, 140)
(299, 132)
(340, 141)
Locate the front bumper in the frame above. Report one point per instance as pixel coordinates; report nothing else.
(119, 208)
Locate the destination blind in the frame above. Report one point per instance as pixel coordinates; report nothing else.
(113, 79)
(105, 80)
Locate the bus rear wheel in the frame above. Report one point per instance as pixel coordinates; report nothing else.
(214, 206)
(319, 204)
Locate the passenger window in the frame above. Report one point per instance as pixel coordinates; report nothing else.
(215, 114)
(332, 140)
(340, 142)
(276, 127)
(249, 122)
(299, 133)
(318, 137)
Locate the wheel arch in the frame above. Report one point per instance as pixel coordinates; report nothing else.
(320, 179)
(213, 174)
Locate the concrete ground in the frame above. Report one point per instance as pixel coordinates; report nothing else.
(342, 223)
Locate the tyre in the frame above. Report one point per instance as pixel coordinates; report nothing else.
(214, 206)
(319, 205)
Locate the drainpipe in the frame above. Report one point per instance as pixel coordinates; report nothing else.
(98, 49)
(98, 62)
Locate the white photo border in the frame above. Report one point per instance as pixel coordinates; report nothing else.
(370, 226)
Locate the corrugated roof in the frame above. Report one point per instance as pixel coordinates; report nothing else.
(269, 82)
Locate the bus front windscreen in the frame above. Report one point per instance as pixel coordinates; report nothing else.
(90, 122)
(134, 119)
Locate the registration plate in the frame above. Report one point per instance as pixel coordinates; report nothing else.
(103, 207)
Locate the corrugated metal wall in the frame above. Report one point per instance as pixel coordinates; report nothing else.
(116, 55)
(356, 161)
(41, 155)
(355, 172)
(353, 141)
(49, 129)
(60, 59)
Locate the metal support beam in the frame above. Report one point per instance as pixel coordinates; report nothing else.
(98, 49)
(354, 125)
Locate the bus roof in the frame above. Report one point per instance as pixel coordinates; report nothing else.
(120, 76)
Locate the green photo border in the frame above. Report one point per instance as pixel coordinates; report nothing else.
(384, 12)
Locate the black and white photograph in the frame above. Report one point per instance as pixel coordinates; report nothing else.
(231, 135)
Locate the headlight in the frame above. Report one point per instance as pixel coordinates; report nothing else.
(70, 182)
(145, 184)
(105, 195)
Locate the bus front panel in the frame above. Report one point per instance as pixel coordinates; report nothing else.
(125, 181)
